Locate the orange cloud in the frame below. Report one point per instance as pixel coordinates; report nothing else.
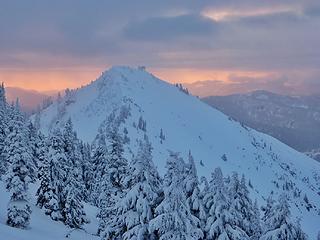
(47, 80)
(59, 79)
(194, 75)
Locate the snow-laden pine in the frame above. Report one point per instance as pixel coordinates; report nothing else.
(174, 219)
(3, 128)
(112, 185)
(193, 192)
(21, 171)
(221, 222)
(278, 223)
(61, 185)
(135, 208)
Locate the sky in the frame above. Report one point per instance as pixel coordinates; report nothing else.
(215, 47)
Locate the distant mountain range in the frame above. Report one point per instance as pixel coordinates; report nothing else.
(294, 120)
(29, 99)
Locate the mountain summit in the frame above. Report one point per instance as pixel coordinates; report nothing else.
(176, 121)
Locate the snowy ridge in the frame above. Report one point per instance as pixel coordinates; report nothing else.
(189, 124)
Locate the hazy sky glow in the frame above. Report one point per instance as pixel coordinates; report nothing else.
(228, 46)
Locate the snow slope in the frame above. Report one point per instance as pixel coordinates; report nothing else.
(41, 226)
(189, 124)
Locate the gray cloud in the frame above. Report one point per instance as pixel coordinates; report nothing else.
(168, 28)
(166, 34)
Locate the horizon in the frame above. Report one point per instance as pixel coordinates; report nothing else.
(194, 91)
(215, 47)
(30, 99)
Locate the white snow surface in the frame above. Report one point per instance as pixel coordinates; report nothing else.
(188, 124)
(41, 226)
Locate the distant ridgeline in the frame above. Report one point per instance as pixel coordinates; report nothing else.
(293, 120)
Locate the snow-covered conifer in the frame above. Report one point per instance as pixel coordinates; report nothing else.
(162, 136)
(34, 141)
(99, 165)
(21, 172)
(241, 206)
(72, 210)
(220, 223)
(3, 128)
(136, 208)
(193, 193)
(3, 101)
(278, 224)
(268, 208)
(86, 172)
(173, 217)
(112, 180)
(256, 223)
(52, 177)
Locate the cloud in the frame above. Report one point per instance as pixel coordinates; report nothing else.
(292, 83)
(240, 84)
(312, 10)
(249, 35)
(168, 28)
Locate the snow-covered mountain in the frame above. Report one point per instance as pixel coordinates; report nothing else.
(293, 120)
(174, 120)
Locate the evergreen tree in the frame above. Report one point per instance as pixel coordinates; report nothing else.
(34, 141)
(3, 129)
(72, 211)
(69, 143)
(193, 194)
(142, 124)
(268, 208)
(37, 119)
(173, 217)
(86, 172)
(112, 180)
(21, 172)
(99, 165)
(135, 209)
(52, 177)
(241, 205)
(3, 101)
(278, 224)
(60, 191)
(162, 136)
(220, 223)
(299, 233)
(256, 223)
(41, 152)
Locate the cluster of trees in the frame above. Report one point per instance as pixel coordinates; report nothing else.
(59, 163)
(17, 162)
(134, 201)
(175, 207)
